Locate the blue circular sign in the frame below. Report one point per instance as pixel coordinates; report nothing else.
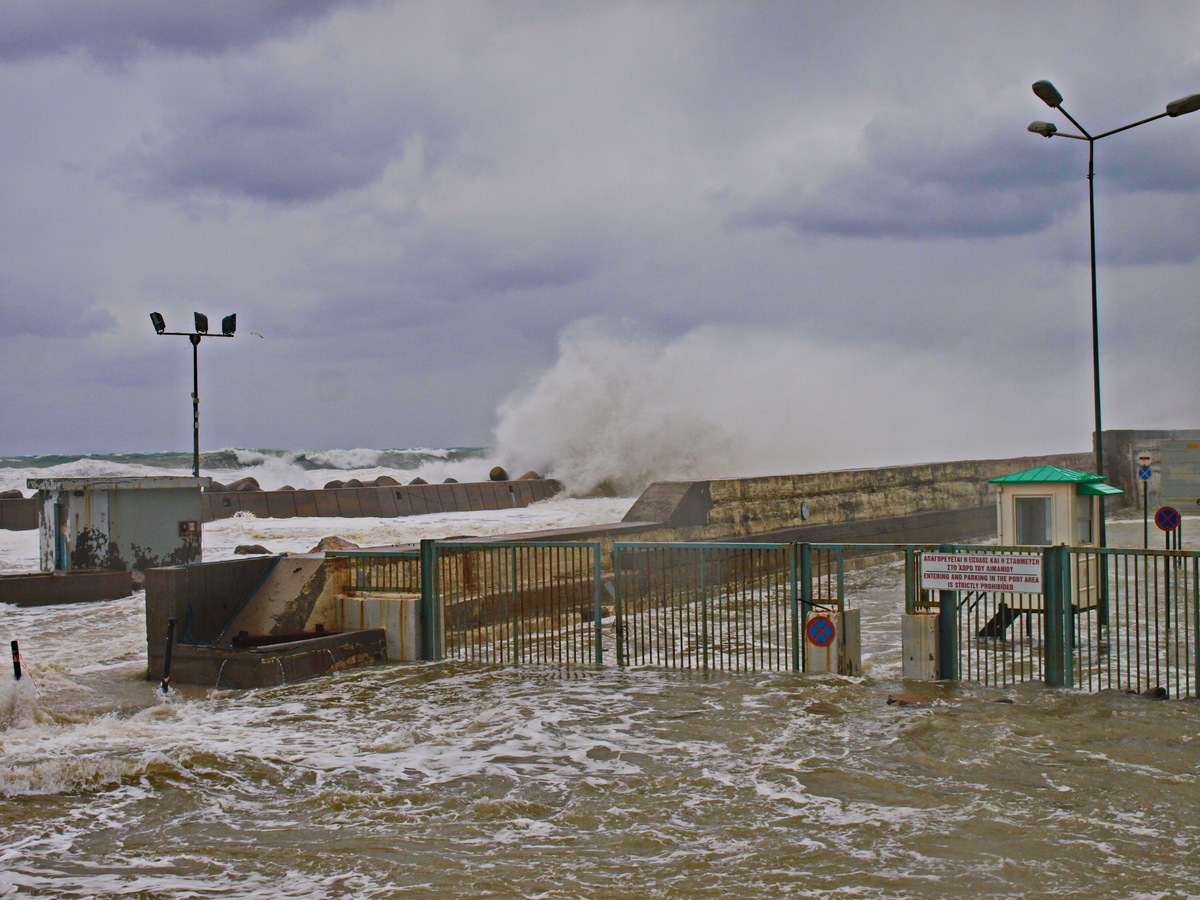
(1167, 518)
(1144, 473)
(821, 631)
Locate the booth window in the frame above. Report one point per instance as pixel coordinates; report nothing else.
(1033, 520)
(1083, 520)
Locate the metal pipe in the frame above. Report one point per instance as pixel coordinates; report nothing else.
(166, 678)
(16, 655)
(195, 339)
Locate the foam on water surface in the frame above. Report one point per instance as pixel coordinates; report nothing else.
(450, 780)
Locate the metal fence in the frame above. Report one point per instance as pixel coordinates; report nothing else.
(725, 607)
(1106, 619)
(517, 603)
(1144, 636)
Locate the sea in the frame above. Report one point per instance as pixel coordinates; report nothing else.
(454, 780)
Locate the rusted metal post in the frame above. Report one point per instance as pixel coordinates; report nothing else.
(16, 661)
(166, 679)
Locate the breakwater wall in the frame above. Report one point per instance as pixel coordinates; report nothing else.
(388, 501)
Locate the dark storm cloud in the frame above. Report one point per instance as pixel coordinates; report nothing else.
(114, 31)
(285, 143)
(921, 179)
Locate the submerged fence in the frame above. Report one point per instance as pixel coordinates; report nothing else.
(1100, 618)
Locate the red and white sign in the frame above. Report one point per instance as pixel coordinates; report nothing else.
(1144, 458)
(981, 572)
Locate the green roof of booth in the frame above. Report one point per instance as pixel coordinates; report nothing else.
(1086, 482)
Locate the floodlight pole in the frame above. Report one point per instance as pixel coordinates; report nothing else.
(228, 326)
(1049, 95)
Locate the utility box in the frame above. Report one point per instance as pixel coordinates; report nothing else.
(127, 524)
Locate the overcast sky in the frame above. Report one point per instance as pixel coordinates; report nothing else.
(449, 217)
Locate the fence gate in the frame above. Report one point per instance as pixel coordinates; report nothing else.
(514, 602)
(1105, 619)
(722, 607)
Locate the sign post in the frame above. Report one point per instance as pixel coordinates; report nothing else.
(1144, 460)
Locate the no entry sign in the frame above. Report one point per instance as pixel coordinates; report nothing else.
(821, 631)
(1167, 518)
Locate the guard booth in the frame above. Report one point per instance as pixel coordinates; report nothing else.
(1048, 506)
(127, 524)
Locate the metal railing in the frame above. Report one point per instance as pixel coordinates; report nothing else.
(379, 571)
(1146, 636)
(517, 603)
(1106, 619)
(725, 607)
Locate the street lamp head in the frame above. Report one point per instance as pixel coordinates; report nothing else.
(156, 320)
(1048, 93)
(1045, 129)
(229, 324)
(201, 323)
(1183, 105)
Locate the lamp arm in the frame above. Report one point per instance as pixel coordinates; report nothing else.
(1071, 118)
(1131, 125)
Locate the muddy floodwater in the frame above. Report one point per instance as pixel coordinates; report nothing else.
(443, 780)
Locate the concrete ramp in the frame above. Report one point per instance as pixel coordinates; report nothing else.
(295, 596)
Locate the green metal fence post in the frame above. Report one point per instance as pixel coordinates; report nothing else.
(1056, 587)
(794, 581)
(431, 607)
(598, 604)
(618, 607)
(948, 661)
(806, 598)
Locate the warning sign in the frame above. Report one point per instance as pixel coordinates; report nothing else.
(981, 572)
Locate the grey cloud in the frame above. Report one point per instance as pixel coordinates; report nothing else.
(115, 31)
(919, 181)
(284, 144)
(36, 310)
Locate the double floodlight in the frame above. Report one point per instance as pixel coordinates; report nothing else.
(228, 325)
(1048, 94)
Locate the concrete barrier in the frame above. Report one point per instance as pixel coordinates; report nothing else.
(210, 602)
(53, 588)
(389, 502)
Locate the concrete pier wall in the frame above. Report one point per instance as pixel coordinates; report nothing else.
(936, 501)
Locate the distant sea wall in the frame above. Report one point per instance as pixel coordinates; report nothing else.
(387, 502)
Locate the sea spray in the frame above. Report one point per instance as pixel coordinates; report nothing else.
(619, 409)
(18, 702)
(614, 412)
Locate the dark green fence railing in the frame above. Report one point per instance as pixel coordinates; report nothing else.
(1109, 619)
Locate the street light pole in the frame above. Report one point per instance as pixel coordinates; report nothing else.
(1049, 95)
(228, 327)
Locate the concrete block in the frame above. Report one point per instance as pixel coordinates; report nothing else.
(833, 642)
(368, 501)
(397, 615)
(919, 644)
